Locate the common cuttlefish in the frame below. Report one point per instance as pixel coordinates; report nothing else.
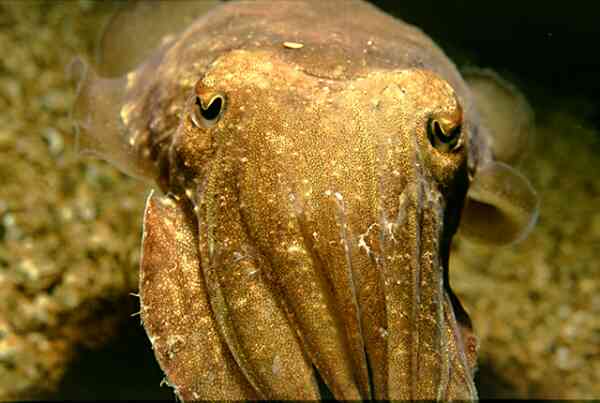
(312, 161)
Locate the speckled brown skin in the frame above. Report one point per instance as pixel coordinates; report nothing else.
(311, 225)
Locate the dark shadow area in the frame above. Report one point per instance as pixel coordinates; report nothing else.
(125, 369)
(491, 385)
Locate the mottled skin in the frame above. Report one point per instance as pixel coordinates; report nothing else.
(311, 225)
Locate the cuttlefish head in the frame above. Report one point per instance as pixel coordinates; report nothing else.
(305, 225)
(292, 143)
(345, 195)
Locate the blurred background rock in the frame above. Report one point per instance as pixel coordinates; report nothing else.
(70, 226)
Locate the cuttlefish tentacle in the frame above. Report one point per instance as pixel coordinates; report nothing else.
(176, 311)
(250, 318)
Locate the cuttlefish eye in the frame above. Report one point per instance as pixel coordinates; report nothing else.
(206, 114)
(444, 134)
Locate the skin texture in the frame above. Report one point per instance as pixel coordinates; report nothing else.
(307, 229)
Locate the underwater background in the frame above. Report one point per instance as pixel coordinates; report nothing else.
(70, 226)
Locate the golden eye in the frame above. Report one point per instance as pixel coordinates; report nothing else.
(206, 115)
(443, 134)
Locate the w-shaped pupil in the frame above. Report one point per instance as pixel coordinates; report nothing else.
(445, 137)
(213, 109)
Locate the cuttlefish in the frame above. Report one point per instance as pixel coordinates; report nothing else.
(312, 161)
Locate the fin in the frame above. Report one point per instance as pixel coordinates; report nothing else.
(501, 206)
(139, 27)
(97, 119)
(504, 112)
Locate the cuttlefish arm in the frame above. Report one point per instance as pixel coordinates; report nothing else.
(215, 324)
(176, 310)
